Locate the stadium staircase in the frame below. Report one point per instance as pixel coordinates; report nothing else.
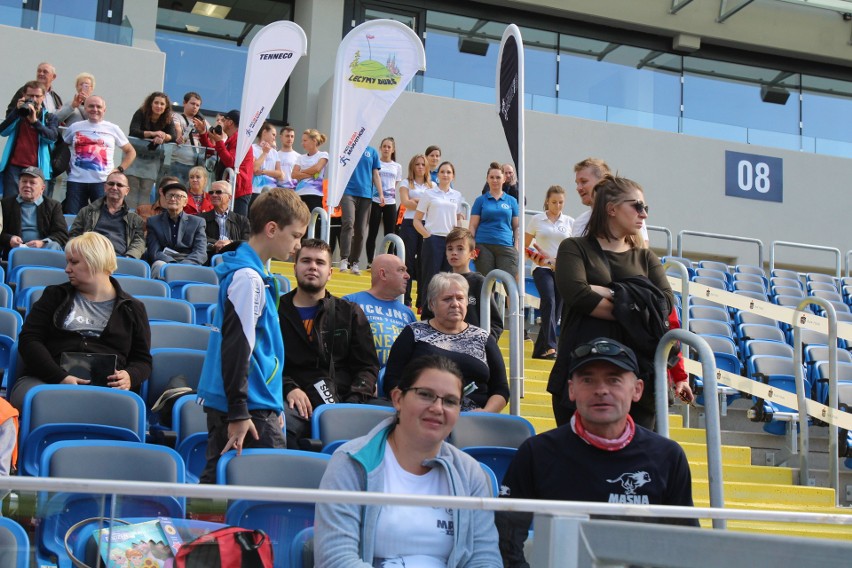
(747, 485)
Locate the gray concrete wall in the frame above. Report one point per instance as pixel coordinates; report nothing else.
(683, 176)
(124, 75)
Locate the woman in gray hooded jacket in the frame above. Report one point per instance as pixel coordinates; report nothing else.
(407, 454)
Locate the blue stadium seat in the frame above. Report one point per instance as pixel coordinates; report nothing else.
(7, 297)
(190, 425)
(177, 275)
(132, 267)
(711, 327)
(136, 286)
(104, 460)
(825, 286)
(10, 326)
(746, 286)
(165, 334)
(272, 468)
(22, 257)
(53, 413)
(715, 265)
(334, 424)
(749, 269)
(201, 296)
(766, 347)
(742, 316)
(783, 273)
(14, 544)
(490, 429)
(302, 549)
(496, 458)
(709, 313)
(167, 363)
(711, 282)
(32, 277)
(168, 309)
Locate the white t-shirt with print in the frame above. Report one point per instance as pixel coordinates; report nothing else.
(390, 173)
(92, 148)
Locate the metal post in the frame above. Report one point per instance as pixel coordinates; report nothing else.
(833, 466)
(734, 238)
(711, 404)
(684, 313)
(516, 380)
(848, 254)
(324, 223)
(398, 245)
(231, 176)
(837, 253)
(668, 234)
(465, 210)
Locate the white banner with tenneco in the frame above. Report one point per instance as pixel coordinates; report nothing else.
(272, 55)
(780, 313)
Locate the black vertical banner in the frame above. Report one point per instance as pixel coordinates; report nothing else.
(508, 89)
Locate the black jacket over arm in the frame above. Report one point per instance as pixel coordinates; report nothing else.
(341, 333)
(51, 223)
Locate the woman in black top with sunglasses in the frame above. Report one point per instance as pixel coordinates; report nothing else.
(611, 249)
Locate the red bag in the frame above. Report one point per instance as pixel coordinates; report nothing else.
(230, 547)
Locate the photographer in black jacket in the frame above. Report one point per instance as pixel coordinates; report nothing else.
(328, 344)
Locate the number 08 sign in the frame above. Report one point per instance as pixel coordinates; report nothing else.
(752, 176)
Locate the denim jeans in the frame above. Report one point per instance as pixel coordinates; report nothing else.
(78, 195)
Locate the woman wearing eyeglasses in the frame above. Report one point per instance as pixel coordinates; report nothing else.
(610, 251)
(407, 454)
(472, 348)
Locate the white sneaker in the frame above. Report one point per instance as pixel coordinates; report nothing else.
(355, 270)
(344, 266)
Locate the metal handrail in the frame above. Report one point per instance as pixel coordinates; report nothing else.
(465, 210)
(324, 223)
(711, 405)
(668, 234)
(735, 238)
(230, 176)
(399, 246)
(836, 252)
(833, 466)
(516, 319)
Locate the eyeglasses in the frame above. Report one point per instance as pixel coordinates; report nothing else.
(639, 206)
(427, 396)
(115, 184)
(599, 348)
(175, 197)
(218, 192)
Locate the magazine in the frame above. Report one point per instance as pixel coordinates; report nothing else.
(141, 545)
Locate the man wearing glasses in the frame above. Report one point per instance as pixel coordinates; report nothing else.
(224, 227)
(174, 236)
(600, 456)
(110, 217)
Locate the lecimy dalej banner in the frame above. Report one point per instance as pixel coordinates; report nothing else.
(272, 55)
(375, 63)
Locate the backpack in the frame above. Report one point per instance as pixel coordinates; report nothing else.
(230, 547)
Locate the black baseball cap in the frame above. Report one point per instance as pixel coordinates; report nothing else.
(32, 171)
(603, 349)
(234, 115)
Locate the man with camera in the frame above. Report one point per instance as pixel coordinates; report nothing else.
(227, 150)
(330, 355)
(190, 151)
(31, 131)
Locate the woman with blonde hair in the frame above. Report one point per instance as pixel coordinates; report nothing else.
(73, 110)
(309, 171)
(411, 189)
(544, 233)
(88, 314)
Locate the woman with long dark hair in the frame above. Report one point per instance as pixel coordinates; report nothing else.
(152, 125)
(586, 268)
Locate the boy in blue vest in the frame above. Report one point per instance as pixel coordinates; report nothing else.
(242, 391)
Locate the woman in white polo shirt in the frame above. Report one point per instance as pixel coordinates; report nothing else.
(441, 209)
(548, 229)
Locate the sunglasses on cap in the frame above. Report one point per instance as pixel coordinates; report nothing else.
(599, 348)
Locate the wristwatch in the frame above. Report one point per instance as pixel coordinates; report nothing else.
(120, 168)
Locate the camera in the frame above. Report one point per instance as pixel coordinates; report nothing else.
(28, 106)
(217, 129)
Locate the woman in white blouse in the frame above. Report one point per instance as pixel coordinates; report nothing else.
(543, 234)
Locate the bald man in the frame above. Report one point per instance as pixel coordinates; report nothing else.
(387, 315)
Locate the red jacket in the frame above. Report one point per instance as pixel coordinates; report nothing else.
(226, 151)
(191, 209)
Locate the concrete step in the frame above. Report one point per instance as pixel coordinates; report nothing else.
(793, 496)
(745, 473)
(833, 532)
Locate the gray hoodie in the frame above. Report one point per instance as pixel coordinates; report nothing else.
(345, 534)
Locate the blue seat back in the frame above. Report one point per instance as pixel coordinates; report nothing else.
(21, 257)
(7, 297)
(496, 458)
(137, 286)
(167, 363)
(176, 275)
(172, 334)
(14, 544)
(168, 309)
(490, 429)
(336, 422)
(201, 296)
(273, 468)
(132, 267)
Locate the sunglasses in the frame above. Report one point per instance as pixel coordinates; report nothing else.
(639, 206)
(114, 184)
(598, 348)
(218, 192)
